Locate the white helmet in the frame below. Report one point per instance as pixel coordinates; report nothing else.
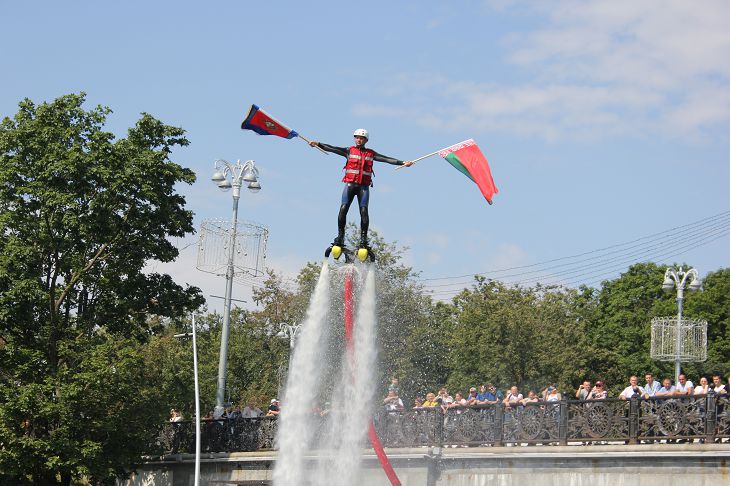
(361, 132)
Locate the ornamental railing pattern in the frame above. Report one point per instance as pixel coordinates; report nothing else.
(704, 418)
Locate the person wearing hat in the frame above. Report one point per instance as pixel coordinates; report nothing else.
(472, 398)
(598, 392)
(357, 179)
(273, 408)
(489, 395)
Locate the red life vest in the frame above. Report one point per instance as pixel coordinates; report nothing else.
(359, 166)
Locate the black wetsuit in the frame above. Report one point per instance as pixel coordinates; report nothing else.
(351, 190)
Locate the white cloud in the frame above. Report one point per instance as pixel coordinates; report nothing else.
(598, 68)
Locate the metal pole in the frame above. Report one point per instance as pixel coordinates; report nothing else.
(197, 401)
(197, 407)
(678, 340)
(222, 362)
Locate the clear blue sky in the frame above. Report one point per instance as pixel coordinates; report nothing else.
(603, 121)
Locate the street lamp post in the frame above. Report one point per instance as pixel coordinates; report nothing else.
(288, 331)
(679, 278)
(228, 176)
(197, 401)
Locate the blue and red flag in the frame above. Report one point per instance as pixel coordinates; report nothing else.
(264, 124)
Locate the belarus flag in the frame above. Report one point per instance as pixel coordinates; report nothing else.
(264, 124)
(469, 160)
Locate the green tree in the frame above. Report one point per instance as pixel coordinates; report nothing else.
(528, 337)
(713, 304)
(621, 334)
(81, 213)
(406, 326)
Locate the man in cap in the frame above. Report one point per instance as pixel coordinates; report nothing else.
(598, 392)
(273, 408)
(358, 179)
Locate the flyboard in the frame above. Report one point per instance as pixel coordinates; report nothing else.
(337, 251)
(362, 254)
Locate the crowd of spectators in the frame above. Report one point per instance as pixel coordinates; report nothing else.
(488, 394)
(250, 411)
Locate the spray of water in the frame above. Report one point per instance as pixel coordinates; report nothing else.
(305, 372)
(335, 444)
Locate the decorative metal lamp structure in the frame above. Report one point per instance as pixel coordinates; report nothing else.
(674, 338)
(232, 248)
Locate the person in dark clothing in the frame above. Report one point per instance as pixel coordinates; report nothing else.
(357, 179)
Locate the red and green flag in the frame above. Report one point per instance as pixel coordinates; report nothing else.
(469, 160)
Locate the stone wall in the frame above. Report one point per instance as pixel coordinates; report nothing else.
(614, 465)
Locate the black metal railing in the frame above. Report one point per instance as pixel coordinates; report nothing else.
(703, 418)
(222, 435)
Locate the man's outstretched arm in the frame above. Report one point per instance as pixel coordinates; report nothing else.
(391, 160)
(343, 151)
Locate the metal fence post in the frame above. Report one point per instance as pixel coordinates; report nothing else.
(710, 417)
(441, 416)
(563, 425)
(498, 424)
(633, 419)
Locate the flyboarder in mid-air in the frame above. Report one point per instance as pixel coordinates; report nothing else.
(358, 179)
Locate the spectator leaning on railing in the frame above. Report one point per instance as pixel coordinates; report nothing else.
(667, 389)
(490, 396)
(684, 386)
(633, 389)
(551, 394)
(251, 410)
(717, 385)
(598, 392)
(430, 401)
(513, 397)
(531, 398)
(273, 408)
(393, 402)
(443, 397)
(472, 400)
(175, 416)
(651, 386)
(583, 390)
(703, 387)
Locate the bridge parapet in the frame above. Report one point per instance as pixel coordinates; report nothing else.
(700, 418)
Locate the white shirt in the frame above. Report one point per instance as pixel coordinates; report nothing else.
(514, 398)
(394, 405)
(629, 392)
(684, 388)
(251, 412)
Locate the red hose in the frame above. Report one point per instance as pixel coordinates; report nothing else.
(372, 435)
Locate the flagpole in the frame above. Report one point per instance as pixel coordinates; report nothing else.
(420, 158)
(316, 146)
(434, 153)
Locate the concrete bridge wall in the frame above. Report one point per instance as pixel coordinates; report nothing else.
(610, 465)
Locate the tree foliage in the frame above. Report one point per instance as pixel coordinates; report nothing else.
(491, 332)
(80, 215)
(528, 337)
